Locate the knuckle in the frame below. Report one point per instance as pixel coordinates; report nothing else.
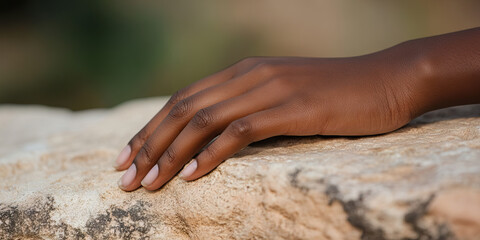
(249, 61)
(280, 82)
(138, 140)
(202, 118)
(177, 97)
(211, 152)
(266, 69)
(241, 128)
(147, 154)
(181, 109)
(170, 156)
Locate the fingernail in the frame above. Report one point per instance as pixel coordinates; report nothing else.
(123, 156)
(188, 169)
(151, 176)
(128, 177)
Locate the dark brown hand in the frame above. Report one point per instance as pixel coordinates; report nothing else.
(258, 98)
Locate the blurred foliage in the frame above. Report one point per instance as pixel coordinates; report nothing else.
(84, 53)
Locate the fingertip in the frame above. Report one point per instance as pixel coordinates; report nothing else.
(188, 170)
(150, 177)
(127, 178)
(122, 158)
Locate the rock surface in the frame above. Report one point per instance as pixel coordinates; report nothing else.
(420, 182)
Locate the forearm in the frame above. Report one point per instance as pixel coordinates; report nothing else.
(448, 68)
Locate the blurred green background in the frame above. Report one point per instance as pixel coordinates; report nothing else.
(82, 54)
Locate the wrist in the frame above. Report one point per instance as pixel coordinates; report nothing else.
(410, 71)
(445, 70)
(421, 73)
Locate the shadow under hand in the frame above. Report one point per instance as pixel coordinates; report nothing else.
(465, 111)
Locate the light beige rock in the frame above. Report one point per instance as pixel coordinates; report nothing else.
(420, 182)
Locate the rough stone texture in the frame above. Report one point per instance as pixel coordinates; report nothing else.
(420, 182)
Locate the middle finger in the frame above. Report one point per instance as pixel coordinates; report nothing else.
(176, 120)
(205, 125)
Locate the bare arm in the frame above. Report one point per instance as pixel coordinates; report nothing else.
(451, 67)
(258, 98)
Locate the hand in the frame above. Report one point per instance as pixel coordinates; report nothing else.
(258, 98)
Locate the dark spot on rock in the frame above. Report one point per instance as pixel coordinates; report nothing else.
(356, 216)
(355, 211)
(321, 181)
(34, 221)
(413, 217)
(119, 213)
(293, 177)
(332, 193)
(418, 211)
(98, 225)
(132, 223)
(9, 217)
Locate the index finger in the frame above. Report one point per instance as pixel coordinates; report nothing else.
(126, 156)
